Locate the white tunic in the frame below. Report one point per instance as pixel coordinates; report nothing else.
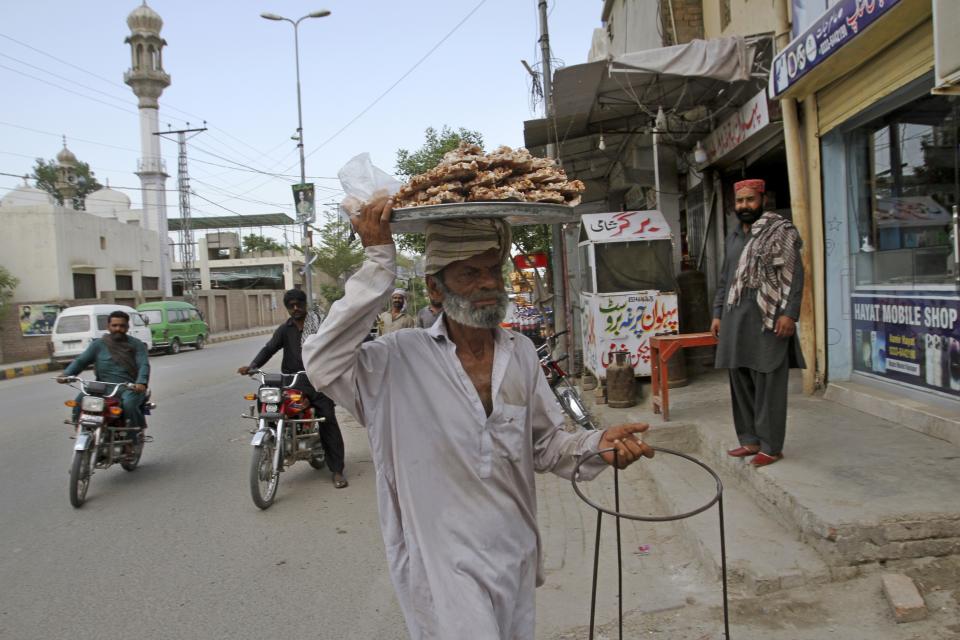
(456, 488)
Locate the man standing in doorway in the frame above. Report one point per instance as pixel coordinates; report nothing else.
(396, 318)
(289, 337)
(758, 301)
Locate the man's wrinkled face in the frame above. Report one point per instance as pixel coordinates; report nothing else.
(472, 291)
(118, 328)
(749, 205)
(297, 309)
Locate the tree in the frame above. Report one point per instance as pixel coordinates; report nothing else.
(336, 255)
(45, 176)
(8, 283)
(435, 144)
(255, 242)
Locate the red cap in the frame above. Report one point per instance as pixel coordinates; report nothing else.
(756, 184)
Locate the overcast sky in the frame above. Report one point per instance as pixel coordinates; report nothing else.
(236, 71)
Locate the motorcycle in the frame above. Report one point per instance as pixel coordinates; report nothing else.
(102, 437)
(567, 395)
(287, 431)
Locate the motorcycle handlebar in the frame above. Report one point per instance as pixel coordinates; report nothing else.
(262, 374)
(83, 384)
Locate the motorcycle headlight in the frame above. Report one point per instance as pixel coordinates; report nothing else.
(270, 394)
(92, 403)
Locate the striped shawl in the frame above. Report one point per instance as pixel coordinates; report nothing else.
(767, 264)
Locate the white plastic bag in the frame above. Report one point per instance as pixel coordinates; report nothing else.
(362, 182)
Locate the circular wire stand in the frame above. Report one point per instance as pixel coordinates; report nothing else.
(717, 499)
(415, 219)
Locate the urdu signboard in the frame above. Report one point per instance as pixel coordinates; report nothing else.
(840, 24)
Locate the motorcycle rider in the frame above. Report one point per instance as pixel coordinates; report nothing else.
(116, 357)
(289, 337)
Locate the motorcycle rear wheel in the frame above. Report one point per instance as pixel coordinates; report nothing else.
(263, 481)
(80, 477)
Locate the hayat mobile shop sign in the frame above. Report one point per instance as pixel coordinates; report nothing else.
(834, 29)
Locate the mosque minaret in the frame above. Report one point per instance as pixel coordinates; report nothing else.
(147, 79)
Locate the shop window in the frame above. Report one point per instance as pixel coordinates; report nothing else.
(124, 282)
(586, 270)
(151, 283)
(904, 181)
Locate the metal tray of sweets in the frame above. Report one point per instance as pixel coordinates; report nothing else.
(414, 219)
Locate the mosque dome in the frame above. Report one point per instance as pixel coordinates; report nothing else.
(66, 157)
(143, 18)
(107, 203)
(26, 196)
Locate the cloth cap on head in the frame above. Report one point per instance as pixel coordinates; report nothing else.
(756, 184)
(398, 292)
(450, 241)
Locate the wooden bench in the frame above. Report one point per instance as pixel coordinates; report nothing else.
(661, 348)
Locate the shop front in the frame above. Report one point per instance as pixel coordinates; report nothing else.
(888, 148)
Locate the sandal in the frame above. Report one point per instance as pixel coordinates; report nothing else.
(339, 481)
(763, 459)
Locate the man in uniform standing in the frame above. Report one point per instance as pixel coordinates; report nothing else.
(758, 301)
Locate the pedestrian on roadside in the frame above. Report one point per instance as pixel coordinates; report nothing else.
(429, 314)
(289, 337)
(758, 302)
(397, 317)
(459, 418)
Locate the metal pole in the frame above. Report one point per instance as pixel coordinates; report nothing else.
(556, 231)
(307, 241)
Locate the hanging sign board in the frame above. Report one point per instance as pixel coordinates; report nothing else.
(530, 261)
(840, 24)
(303, 199)
(748, 120)
(625, 226)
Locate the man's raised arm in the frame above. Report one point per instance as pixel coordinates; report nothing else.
(332, 355)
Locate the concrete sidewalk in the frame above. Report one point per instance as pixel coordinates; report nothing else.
(853, 491)
(32, 367)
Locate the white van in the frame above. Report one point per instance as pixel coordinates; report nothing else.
(77, 327)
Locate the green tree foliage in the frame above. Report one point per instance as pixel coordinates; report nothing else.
(336, 255)
(8, 283)
(45, 176)
(255, 242)
(410, 163)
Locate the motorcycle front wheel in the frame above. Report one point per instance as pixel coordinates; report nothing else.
(263, 481)
(80, 477)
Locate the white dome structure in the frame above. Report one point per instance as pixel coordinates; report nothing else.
(108, 203)
(26, 196)
(143, 19)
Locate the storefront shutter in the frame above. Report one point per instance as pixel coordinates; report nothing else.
(906, 60)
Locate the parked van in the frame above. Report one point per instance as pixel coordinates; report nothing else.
(77, 327)
(175, 324)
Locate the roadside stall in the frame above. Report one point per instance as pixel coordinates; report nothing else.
(629, 292)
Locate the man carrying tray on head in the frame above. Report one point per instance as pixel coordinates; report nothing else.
(459, 418)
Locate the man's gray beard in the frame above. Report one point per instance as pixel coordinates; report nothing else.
(460, 309)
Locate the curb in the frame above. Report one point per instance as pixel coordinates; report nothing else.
(8, 373)
(28, 370)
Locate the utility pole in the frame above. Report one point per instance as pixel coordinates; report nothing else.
(183, 186)
(558, 263)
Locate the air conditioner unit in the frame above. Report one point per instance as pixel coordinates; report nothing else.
(946, 46)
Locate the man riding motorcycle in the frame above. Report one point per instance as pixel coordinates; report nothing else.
(116, 357)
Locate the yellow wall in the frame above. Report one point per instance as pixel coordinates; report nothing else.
(747, 17)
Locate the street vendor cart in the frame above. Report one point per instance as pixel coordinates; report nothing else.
(629, 292)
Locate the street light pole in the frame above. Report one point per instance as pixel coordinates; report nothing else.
(307, 244)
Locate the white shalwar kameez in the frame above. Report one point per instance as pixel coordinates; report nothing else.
(456, 488)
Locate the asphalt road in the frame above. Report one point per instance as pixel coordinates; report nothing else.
(176, 549)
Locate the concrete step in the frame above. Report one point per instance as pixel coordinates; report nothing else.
(928, 414)
(763, 556)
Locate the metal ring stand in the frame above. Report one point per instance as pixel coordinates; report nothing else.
(716, 499)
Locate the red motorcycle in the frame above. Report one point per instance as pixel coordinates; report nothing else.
(287, 431)
(101, 433)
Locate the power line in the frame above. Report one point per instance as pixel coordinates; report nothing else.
(56, 86)
(58, 135)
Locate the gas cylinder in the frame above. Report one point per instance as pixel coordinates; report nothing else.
(621, 382)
